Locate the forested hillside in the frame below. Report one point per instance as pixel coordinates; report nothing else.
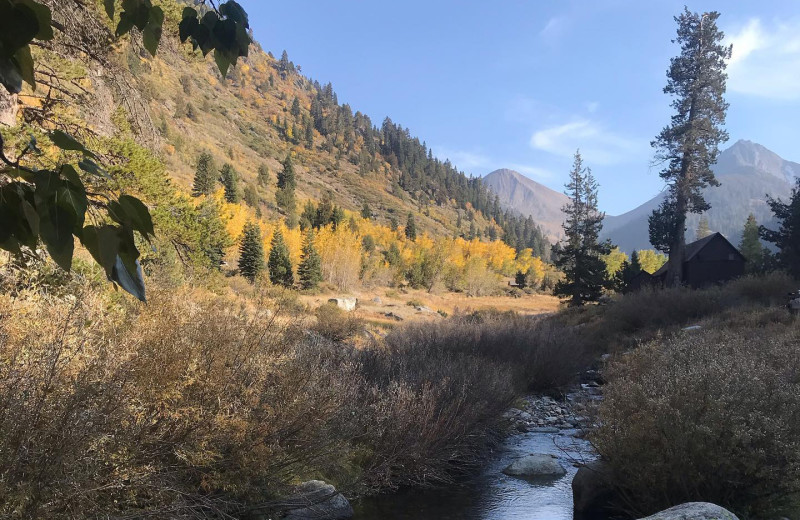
(178, 106)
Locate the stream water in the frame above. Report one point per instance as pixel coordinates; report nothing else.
(491, 495)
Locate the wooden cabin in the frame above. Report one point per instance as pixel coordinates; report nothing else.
(708, 261)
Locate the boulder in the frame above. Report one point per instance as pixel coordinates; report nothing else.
(592, 490)
(346, 304)
(538, 465)
(318, 500)
(694, 511)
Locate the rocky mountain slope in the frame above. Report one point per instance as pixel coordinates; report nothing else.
(747, 172)
(529, 198)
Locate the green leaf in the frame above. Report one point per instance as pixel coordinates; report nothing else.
(44, 18)
(31, 216)
(222, 62)
(138, 214)
(151, 34)
(91, 167)
(188, 24)
(109, 5)
(66, 142)
(10, 76)
(55, 227)
(74, 201)
(25, 63)
(103, 244)
(131, 280)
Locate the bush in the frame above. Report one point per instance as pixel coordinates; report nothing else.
(710, 415)
(335, 324)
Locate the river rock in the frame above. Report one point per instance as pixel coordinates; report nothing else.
(592, 490)
(536, 465)
(694, 511)
(318, 500)
(346, 304)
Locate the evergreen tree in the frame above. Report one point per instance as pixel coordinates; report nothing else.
(263, 175)
(251, 252)
(393, 223)
(473, 232)
(310, 269)
(411, 227)
(230, 181)
(521, 280)
(366, 212)
(629, 271)
(279, 263)
(309, 135)
(787, 236)
(285, 196)
(579, 256)
(204, 175)
(689, 145)
(750, 245)
(703, 230)
(295, 110)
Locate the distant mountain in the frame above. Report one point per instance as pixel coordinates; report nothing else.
(747, 173)
(530, 198)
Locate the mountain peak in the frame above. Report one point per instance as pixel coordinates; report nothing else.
(748, 157)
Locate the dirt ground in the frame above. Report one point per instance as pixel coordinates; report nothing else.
(387, 307)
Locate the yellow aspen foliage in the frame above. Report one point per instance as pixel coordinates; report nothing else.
(340, 251)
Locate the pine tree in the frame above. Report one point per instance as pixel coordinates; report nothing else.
(309, 135)
(310, 269)
(750, 245)
(689, 145)
(251, 252)
(703, 230)
(285, 196)
(579, 256)
(787, 236)
(204, 175)
(295, 110)
(393, 223)
(279, 263)
(366, 212)
(263, 175)
(629, 271)
(230, 181)
(411, 227)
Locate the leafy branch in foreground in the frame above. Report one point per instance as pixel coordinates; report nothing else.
(51, 205)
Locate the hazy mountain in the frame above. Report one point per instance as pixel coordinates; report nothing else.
(528, 197)
(747, 172)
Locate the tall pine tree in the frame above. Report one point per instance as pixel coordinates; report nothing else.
(411, 227)
(279, 263)
(310, 269)
(251, 252)
(750, 246)
(579, 256)
(787, 237)
(285, 195)
(205, 175)
(230, 181)
(689, 145)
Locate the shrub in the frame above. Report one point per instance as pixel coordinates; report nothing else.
(335, 324)
(710, 415)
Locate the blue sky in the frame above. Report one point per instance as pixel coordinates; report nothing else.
(521, 84)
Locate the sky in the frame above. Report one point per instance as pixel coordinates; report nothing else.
(522, 84)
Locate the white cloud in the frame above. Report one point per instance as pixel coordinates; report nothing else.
(597, 144)
(553, 30)
(532, 171)
(766, 59)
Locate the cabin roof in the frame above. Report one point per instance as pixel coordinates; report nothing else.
(695, 247)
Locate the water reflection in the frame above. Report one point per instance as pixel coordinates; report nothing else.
(493, 495)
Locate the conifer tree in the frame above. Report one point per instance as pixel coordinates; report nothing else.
(285, 196)
(629, 271)
(750, 245)
(230, 181)
(295, 110)
(703, 230)
(279, 263)
(309, 135)
(263, 175)
(204, 176)
(251, 252)
(310, 269)
(579, 255)
(366, 212)
(689, 145)
(411, 227)
(393, 223)
(787, 237)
